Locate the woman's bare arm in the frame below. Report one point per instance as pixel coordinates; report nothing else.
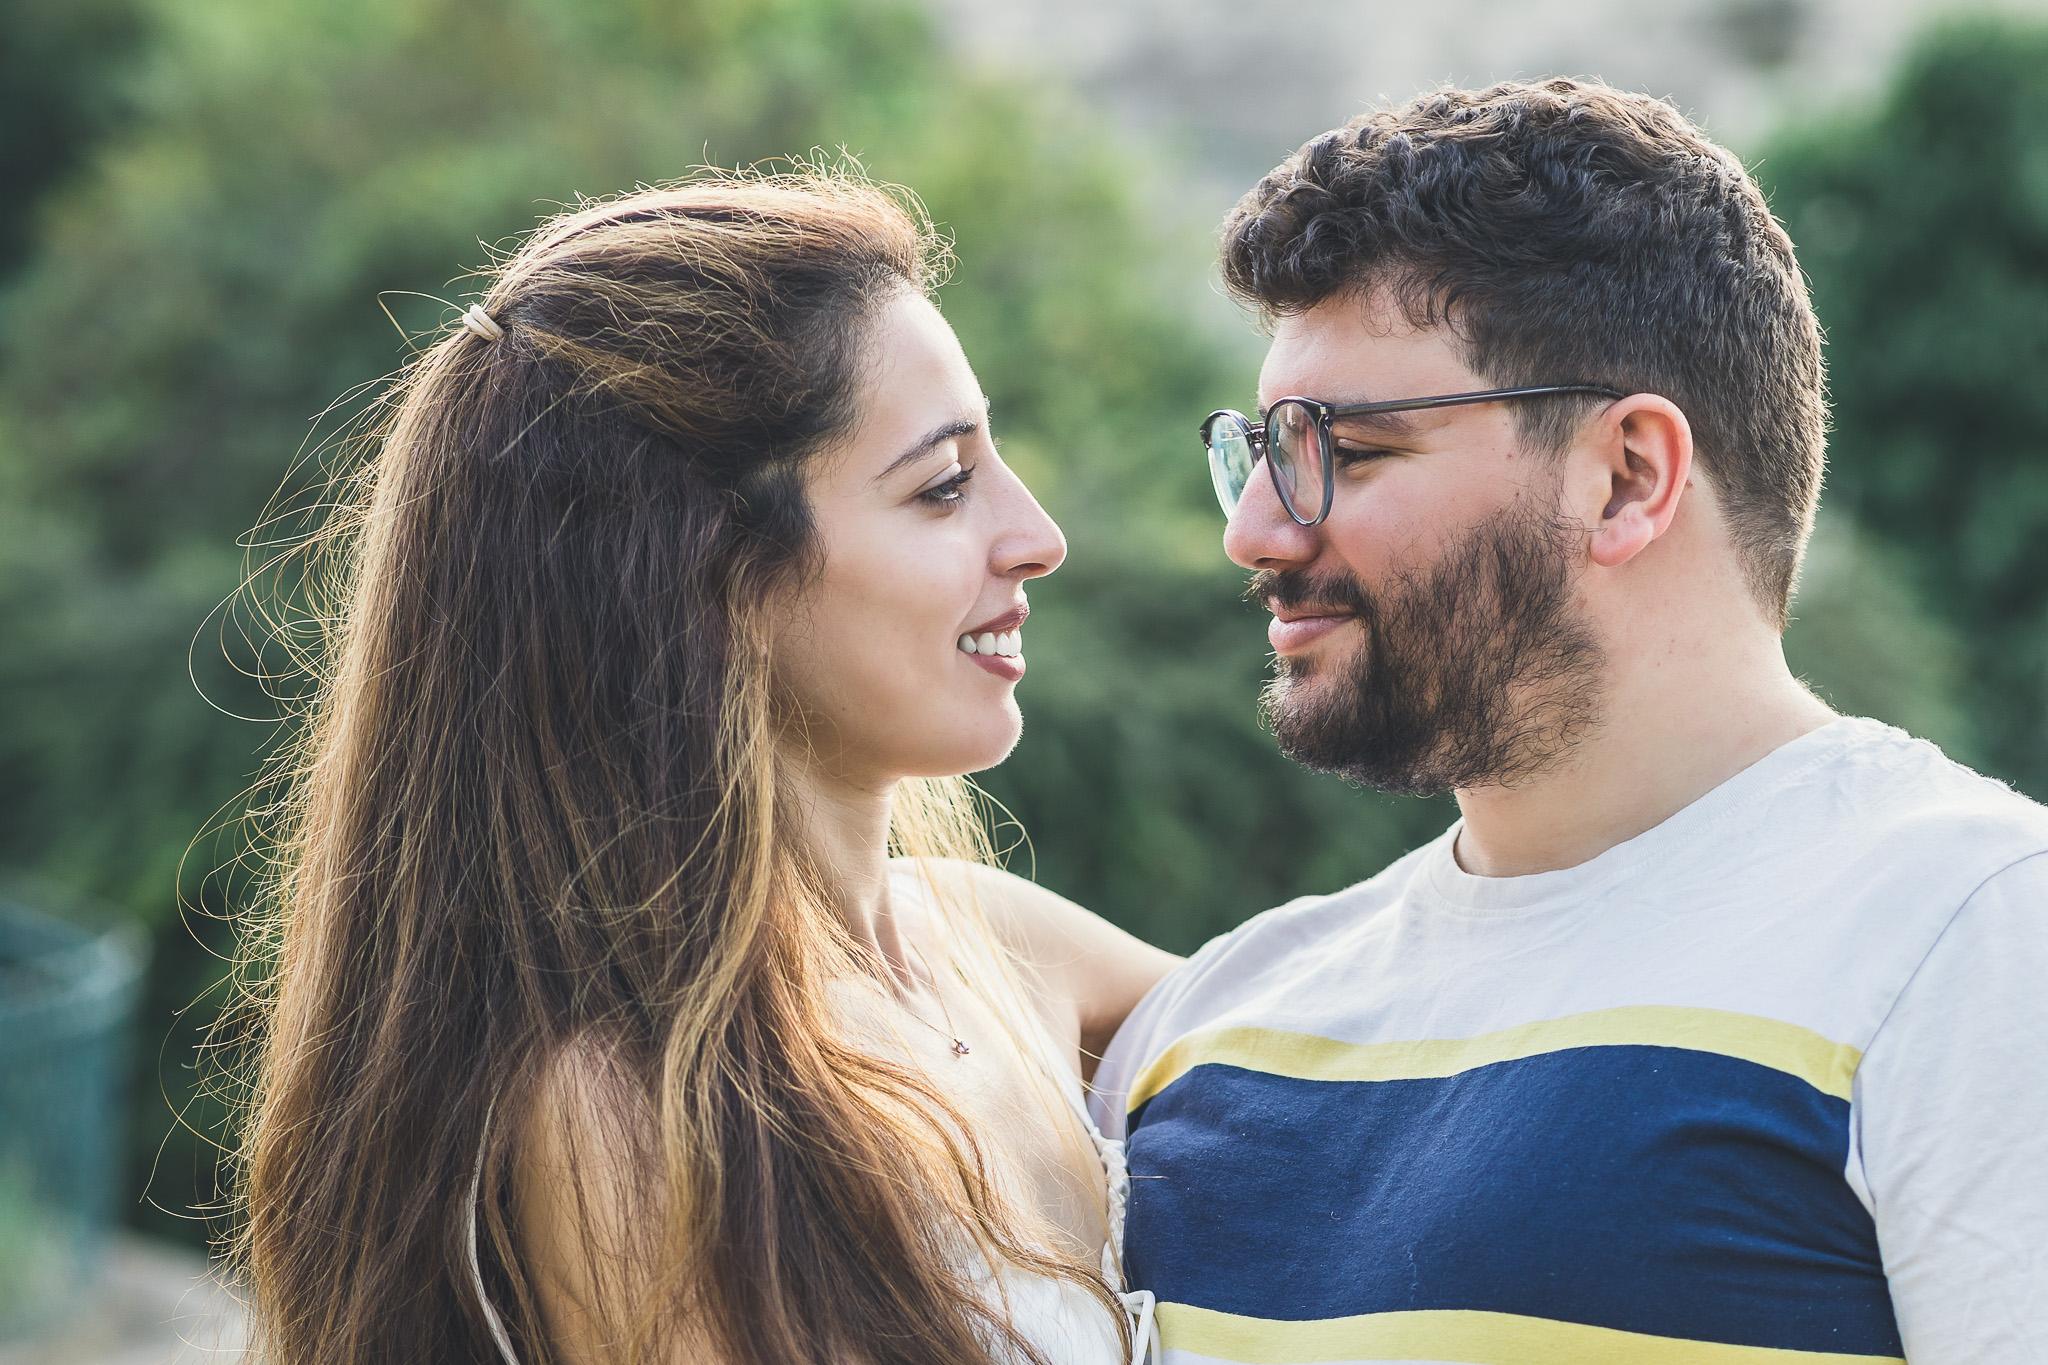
(588, 1211)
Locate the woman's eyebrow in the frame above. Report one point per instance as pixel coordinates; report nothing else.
(931, 440)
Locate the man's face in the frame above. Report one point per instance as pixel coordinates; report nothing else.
(1428, 635)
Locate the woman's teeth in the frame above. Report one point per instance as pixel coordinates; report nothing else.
(1010, 642)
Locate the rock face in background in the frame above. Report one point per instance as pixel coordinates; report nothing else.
(1234, 88)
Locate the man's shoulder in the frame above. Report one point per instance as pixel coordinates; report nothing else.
(1853, 868)
(1904, 800)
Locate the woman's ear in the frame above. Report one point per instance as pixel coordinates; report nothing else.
(1643, 455)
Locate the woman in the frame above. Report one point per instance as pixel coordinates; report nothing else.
(685, 582)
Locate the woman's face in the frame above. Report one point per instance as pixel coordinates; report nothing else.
(905, 650)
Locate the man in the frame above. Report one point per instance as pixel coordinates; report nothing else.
(1713, 1030)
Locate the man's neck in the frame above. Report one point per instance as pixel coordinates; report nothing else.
(1672, 728)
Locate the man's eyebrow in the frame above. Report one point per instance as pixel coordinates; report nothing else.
(1386, 423)
(931, 440)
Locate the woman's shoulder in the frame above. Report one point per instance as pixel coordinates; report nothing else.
(1084, 961)
(1046, 931)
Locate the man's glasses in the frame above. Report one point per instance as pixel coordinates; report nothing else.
(1299, 450)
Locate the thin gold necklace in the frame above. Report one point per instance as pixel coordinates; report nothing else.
(960, 1048)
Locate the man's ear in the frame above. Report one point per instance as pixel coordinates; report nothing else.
(1643, 457)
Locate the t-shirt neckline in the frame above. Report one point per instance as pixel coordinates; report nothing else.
(1680, 834)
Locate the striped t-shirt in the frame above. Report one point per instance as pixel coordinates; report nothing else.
(1768, 1083)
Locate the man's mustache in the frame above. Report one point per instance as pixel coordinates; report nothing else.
(1294, 589)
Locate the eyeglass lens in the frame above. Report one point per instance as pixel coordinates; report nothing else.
(1294, 450)
(1230, 458)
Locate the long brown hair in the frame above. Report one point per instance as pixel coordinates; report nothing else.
(540, 808)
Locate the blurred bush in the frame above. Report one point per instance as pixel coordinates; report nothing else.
(1923, 225)
(204, 281)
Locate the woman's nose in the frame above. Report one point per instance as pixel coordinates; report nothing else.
(1031, 544)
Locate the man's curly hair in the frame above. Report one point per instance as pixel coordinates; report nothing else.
(1568, 232)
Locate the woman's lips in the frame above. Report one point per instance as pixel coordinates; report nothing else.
(1009, 666)
(1293, 636)
(998, 652)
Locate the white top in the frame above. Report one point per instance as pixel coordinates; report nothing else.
(1065, 1322)
(1062, 1320)
(1767, 1078)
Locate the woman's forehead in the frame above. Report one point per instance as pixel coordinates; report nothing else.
(918, 357)
(917, 391)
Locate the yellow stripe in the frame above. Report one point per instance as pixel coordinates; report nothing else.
(1478, 1338)
(1828, 1067)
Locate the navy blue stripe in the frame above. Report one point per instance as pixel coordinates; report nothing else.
(1649, 1189)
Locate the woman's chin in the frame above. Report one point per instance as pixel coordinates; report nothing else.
(972, 748)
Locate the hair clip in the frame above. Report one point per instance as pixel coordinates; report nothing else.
(479, 323)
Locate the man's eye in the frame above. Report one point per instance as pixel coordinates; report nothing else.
(1357, 454)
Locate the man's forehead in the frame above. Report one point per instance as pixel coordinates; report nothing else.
(1350, 349)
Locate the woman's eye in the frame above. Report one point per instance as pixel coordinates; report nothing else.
(950, 492)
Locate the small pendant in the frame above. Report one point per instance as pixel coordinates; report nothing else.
(960, 1049)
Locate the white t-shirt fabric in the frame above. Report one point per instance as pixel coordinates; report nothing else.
(1768, 1082)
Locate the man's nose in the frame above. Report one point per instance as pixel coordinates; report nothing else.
(1260, 534)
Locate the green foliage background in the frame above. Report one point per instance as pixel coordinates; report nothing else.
(206, 229)
(1923, 225)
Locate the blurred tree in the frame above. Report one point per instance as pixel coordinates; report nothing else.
(1923, 225)
(1865, 639)
(211, 284)
(63, 85)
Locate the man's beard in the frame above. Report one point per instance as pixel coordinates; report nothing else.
(1480, 671)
